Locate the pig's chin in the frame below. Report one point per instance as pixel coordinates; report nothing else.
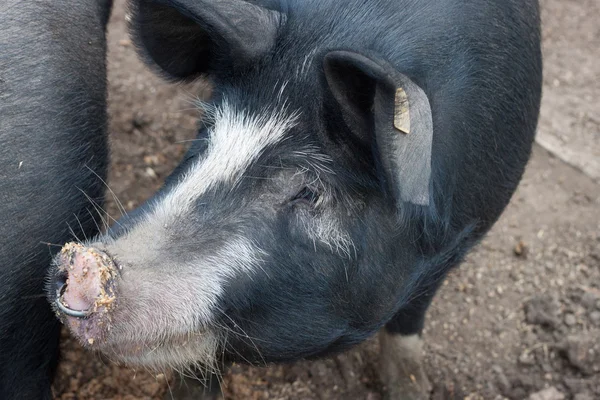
(175, 351)
(180, 352)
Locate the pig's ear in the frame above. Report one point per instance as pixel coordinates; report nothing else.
(186, 38)
(386, 109)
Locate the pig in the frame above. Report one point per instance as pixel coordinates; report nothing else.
(53, 158)
(350, 155)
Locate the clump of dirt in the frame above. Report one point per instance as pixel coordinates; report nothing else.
(543, 310)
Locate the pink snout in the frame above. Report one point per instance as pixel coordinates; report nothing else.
(85, 291)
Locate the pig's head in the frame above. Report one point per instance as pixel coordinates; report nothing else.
(298, 223)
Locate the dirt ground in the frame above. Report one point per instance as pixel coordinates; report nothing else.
(519, 320)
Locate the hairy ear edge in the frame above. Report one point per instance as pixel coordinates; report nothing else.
(401, 126)
(188, 38)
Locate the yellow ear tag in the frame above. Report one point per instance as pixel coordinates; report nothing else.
(401, 112)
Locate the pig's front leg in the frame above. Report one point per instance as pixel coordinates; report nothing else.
(402, 368)
(401, 349)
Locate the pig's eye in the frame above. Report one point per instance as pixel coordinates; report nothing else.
(307, 196)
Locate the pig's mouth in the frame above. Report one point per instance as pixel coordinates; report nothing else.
(175, 351)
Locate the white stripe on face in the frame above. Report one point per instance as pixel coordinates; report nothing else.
(161, 296)
(188, 292)
(170, 306)
(235, 141)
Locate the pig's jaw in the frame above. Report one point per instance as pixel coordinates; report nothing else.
(198, 348)
(163, 313)
(176, 351)
(163, 309)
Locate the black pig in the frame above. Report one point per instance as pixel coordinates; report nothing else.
(53, 155)
(352, 153)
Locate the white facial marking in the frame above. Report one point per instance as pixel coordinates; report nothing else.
(173, 303)
(235, 140)
(326, 230)
(195, 349)
(166, 304)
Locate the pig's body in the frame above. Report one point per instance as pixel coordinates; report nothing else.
(353, 153)
(52, 125)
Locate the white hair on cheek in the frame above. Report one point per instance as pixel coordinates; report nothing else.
(326, 229)
(165, 314)
(169, 306)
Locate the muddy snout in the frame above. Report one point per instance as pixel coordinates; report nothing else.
(84, 286)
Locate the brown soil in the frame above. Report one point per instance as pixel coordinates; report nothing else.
(520, 318)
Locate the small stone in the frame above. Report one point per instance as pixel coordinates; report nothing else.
(139, 121)
(526, 358)
(151, 173)
(550, 393)
(595, 317)
(570, 319)
(518, 393)
(574, 385)
(524, 381)
(150, 160)
(503, 381)
(588, 300)
(581, 352)
(583, 396)
(542, 310)
(520, 249)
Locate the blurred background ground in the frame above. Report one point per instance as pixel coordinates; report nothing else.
(520, 319)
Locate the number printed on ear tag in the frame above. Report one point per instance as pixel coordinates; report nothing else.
(401, 112)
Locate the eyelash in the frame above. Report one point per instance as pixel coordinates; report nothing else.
(306, 195)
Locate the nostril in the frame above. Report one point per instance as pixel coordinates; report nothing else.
(84, 281)
(60, 282)
(64, 308)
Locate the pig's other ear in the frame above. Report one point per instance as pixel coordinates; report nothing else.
(384, 108)
(186, 38)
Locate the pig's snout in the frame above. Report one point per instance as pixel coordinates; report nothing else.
(84, 281)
